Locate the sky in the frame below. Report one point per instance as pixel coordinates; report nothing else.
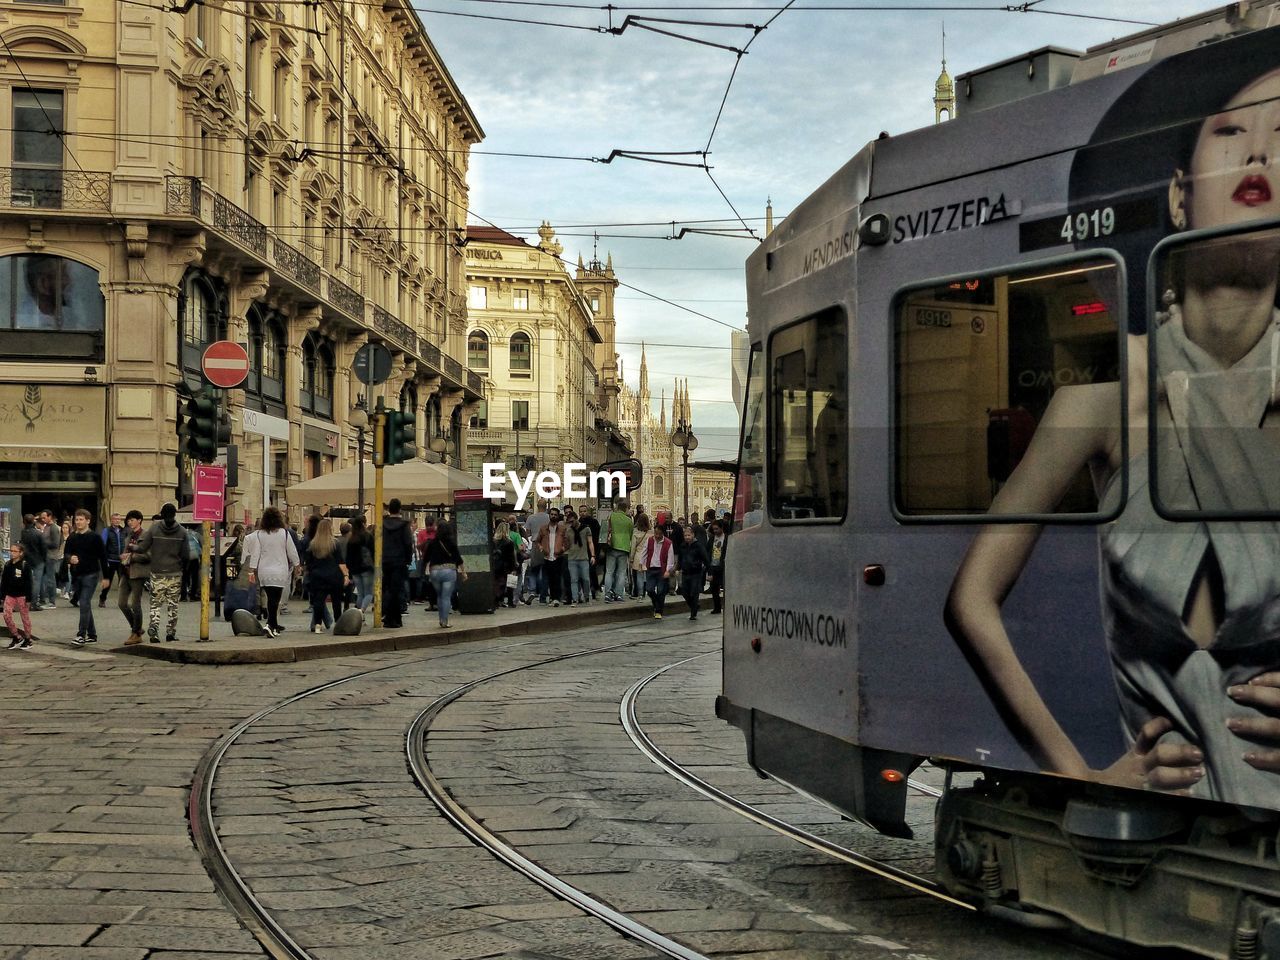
(812, 89)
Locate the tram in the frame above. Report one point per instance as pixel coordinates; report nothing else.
(1009, 489)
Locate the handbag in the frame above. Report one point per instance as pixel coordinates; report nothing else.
(513, 581)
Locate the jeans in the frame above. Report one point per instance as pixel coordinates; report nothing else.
(617, 573)
(691, 588)
(533, 581)
(112, 571)
(638, 587)
(364, 590)
(579, 580)
(48, 591)
(656, 588)
(444, 579)
(131, 601)
(84, 586)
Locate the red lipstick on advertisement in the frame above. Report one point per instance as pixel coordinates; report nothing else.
(1253, 191)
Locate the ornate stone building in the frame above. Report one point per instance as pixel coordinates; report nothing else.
(544, 341)
(288, 176)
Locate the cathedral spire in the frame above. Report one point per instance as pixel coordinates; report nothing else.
(644, 374)
(662, 407)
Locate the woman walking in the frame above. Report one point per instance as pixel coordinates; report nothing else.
(641, 533)
(271, 561)
(444, 565)
(580, 555)
(360, 563)
(504, 564)
(88, 561)
(659, 559)
(327, 576)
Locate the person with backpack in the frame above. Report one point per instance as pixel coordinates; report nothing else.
(17, 586)
(445, 567)
(618, 571)
(164, 548)
(397, 549)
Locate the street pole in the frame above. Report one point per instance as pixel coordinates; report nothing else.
(379, 456)
(685, 449)
(206, 531)
(360, 456)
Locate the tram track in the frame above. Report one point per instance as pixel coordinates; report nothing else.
(278, 942)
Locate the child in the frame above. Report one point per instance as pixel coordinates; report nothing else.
(16, 587)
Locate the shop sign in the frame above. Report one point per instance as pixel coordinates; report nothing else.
(53, 423)
(316, 440)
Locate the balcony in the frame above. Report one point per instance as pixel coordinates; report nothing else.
(235, 223)
(294, 264)
(345, 298)
(29, 188)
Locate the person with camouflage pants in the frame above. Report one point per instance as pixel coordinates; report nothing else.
(164, 547)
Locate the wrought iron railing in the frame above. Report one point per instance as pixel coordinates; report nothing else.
(453, 368)
(236, 223)
(182, 195)
(45, 189)
(401, 333)
(475, 382)
(344, 298)
(294, 264)
(429, 352)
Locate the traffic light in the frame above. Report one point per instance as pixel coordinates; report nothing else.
(401, 437)
(207, 427)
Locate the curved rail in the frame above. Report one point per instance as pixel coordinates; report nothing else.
(627, 713)
(415, 750)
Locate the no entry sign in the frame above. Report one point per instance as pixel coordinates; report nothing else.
(225, 363)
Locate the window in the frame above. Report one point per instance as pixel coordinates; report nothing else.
(200, 326)
(37, 152)
(808, 433)
(55, 296)
(317, 376)
(199, 25)
(520, 299)
(519, 414)
(748, 493)
(480, 419)
(979, 364)
(1214, 451)
(478, 298)
(478, 350)
(595, 304)
(657, 485)
(521, 355)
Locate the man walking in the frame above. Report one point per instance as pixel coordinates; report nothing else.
(133, 576)
(113, 544)
(33, 549)
(618, 537)
(553, 541)
(397, 548)
(53, 542)
(164, 547)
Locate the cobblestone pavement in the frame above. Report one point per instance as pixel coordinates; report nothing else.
(318, 811)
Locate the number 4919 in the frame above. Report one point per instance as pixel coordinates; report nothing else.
(1089, 225)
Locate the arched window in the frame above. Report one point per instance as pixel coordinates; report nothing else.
(409, 399)
(57, 297)
(521, 355)
(202, 317)
(264, 388)
(478, 350)
(317, 376)
(657, 485)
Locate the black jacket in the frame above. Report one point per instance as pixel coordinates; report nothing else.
(90, 554)
(15, 581)
(33, 547)
(397, 542)
(691, 557)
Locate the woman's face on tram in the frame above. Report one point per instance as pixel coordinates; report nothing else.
(1233, 175)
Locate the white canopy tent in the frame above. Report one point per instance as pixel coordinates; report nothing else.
(416, 483)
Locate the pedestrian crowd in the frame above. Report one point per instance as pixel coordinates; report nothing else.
(566, 556)
(554, 556)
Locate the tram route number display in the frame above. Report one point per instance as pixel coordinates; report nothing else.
(1091, 225)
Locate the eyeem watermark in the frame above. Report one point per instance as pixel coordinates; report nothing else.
(576, 482)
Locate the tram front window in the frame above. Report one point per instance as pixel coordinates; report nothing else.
(748, 494)
(978, 363)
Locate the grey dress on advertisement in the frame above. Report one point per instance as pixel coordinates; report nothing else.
(1214, 458)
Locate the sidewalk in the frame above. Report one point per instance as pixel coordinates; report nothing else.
(421, 629)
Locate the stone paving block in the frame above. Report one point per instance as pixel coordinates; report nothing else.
(178, 938)
(87, 953)
(46, 934)
(65, 913)
(156, 882)
(530, 911)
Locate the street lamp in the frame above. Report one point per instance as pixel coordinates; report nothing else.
(360, 420)
(684, 439)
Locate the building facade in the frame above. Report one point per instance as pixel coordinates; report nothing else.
(288, 176)
(544, 341)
